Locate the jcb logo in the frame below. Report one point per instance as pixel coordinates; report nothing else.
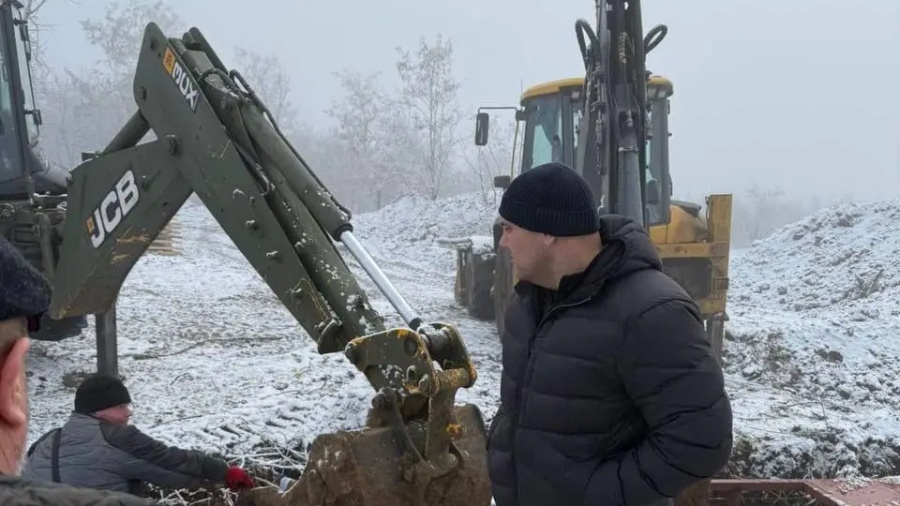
(180, 75)
(113, 209)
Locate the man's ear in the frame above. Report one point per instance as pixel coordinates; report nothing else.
(13, 391)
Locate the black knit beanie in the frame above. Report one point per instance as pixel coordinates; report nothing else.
(551, 199)
(98, 392)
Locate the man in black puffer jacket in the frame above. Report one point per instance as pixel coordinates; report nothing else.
(610, 393)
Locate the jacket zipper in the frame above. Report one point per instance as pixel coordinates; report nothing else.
(529, 364)
(527, 374)
(560, 306)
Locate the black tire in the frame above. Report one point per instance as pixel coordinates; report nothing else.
(480, 302)
(502, 289)
(462, 276)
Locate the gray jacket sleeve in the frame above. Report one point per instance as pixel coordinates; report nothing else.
(140, 457)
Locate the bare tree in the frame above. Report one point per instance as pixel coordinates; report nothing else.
(121, 31)
(41, 76)
(493, 159)
(61, 104)
(359, 113)
(31, 14)
(326, 156)
(120, 35)
(429, 97)
(269, 79)
(401, 149)
(84, 108)
(364, 128)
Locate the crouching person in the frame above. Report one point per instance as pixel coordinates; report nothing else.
(98, 448)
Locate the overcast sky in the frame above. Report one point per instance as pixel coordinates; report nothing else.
(797, 94)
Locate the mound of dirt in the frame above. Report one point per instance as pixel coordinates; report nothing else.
(412, 228)
(841, 259)
(812, 358)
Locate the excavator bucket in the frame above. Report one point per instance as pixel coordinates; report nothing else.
(418, 448)
(437, 456)
(370, 468)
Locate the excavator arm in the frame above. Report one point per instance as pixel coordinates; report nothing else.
(615, 121)
(214, 137)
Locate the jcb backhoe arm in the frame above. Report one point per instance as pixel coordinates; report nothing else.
(215, 138)
(614, 124)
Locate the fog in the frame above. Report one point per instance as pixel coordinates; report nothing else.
(788, 101)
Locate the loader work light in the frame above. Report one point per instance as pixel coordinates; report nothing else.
(659, 88)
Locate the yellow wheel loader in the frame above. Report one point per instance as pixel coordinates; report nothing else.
(693, 244)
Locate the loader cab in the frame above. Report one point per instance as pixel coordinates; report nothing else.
(552, 113)
(19, 118)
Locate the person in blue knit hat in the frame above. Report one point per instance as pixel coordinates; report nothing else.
(610, 393)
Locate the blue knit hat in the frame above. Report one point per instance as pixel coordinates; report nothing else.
(551, 199)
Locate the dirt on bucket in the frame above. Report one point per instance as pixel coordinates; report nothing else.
(367, 468)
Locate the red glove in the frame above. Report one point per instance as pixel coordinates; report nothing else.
(236, 479)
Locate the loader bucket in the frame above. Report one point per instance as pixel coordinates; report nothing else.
(367, 468)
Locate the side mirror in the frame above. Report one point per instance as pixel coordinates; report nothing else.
(502, 182)
(482, 122)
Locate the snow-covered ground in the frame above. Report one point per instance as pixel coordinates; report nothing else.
(215, 362)
(814, 359)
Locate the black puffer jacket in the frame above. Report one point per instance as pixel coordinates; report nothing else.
(610, 394)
